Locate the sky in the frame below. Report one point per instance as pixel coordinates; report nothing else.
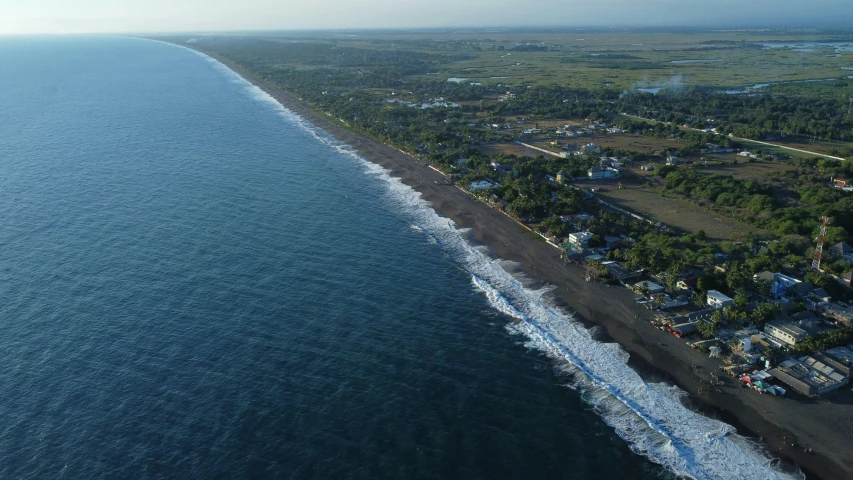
(137, 16)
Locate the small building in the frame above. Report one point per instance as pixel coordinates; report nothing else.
(580, 239)
(591, 148)
(843, 250)
(683, 329)
(839, 313)
(718, 300)
(785, 332)
(779, 283)
(653, 287)
(483, 185)
(614, 130)
(840, 182)
(688, 283)
(672, 160)
(842, 355)
(561, 176)
(595, 173)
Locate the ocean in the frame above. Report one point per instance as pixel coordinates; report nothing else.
(197, 283)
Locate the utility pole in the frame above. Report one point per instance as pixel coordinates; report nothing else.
(818, 252)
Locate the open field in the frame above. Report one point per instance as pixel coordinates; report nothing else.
(756, 170)
(623, 141)
(508, 149)
(677, 213)
(615, 59)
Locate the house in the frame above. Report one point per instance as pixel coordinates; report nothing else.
(501, 167)
(561, 176)
(843, 250)
(779, 283)
(801, 289)
(483, 185)
(718, 300)
(839, 313)
(841, 354)
(611, 162)
(840, 182)
(746, 154)
(671, 160)
(614, 130)
(669, 302)
(688, 283)
(591, 148)
(846, 279)
(595, 173)
(648, 168)
(785, 332)
(580, 239)
(812, 375)
(653, 287)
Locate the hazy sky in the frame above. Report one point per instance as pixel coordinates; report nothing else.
(60, 16)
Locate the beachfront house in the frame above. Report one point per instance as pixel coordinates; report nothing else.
(483, 185)
(653, 287)
(580, 239)
(785, 332)
(718, 300)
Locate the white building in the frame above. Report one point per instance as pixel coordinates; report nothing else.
(483, 185)
(580, 239)
(653, 287)
(718, 300)
(785, 332)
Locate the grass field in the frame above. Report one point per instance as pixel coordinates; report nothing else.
(675, 212)
(756, 170)
(616, 59)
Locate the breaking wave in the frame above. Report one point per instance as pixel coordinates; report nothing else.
(650, 417)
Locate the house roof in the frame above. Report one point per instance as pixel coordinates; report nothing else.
(841, 248)
(801, 288)
(690, 282)
(767, 275)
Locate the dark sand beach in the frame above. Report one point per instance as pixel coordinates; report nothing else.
(788, 426)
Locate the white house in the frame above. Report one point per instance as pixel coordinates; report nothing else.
(786, 332)
(483, 185)
(580, 239)
(718, 300)
(653, 287)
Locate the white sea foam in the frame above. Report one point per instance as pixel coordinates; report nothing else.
(649, 416)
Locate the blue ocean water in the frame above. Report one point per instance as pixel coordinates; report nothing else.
(194, 283)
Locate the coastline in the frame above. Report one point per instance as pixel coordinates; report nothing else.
(825, 428)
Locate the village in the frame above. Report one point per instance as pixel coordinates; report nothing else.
(757, 331)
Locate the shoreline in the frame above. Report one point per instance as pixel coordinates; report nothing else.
(785, 425)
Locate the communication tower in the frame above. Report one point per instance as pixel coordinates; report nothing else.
(818, 251)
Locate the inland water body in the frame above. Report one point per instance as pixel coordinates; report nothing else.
(195, 283)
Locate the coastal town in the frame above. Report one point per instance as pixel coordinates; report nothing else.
(775, 332)
(706, 229)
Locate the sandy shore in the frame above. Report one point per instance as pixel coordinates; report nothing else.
(788, 426)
